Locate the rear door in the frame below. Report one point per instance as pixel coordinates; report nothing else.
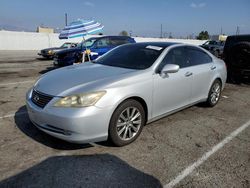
(101, 46)
(202, 68)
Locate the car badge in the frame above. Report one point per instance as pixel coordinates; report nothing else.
(36, 98)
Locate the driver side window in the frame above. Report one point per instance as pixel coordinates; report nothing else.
(102, 43)
(175, 56)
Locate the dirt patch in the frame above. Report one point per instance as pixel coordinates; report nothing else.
(27, 61)
(20, 74)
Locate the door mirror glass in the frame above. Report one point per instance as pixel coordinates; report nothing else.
(170, 68)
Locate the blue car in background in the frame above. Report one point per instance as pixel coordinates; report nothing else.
(89, 49)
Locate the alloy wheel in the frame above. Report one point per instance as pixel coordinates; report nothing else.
(215, 93)
(128, 123)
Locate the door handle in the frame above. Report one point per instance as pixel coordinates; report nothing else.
(213, 67)
(188, 74)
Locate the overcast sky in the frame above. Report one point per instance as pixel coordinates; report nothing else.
(142, 17)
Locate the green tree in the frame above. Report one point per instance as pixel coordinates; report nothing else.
(203, 35)
(123, 33)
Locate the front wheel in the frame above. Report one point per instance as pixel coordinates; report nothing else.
(214, 93)
(127, 122)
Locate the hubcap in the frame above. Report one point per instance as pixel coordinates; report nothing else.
(215, 93)
(128, 123)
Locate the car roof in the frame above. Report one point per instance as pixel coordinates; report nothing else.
(158, 44)
(121, 37)
(245, 35)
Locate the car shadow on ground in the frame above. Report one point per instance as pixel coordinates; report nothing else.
(102, 170)
(24, 124)
(245, 81)
(47, 70)
(44, 59)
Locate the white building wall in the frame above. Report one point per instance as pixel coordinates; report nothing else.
(12, 40)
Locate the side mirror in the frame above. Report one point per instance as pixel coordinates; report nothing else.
(170, 68)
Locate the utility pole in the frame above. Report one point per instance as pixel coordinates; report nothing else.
(221, 31)
(161, 30)
(66, 19)
(170, 35)
(238, 30)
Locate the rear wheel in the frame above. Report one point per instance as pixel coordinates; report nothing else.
(126, 122)
(214, 93)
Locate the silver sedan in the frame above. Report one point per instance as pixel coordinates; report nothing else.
(116, 95)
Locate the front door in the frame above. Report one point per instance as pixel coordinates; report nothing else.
(172, 91)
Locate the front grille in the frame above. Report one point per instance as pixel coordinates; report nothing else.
(43, 51)
(40, 99)
(61, 55)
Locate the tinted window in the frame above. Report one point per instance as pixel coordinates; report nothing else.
(197, 56)
(175, 56)
(87, 43)
(102, 43)
(130, 56)
(212, 43)
(66, 45)
(117, 42)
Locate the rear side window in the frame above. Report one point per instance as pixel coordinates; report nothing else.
(117, 42)
(175, 56)
(197, 57)
(102, 43)
(212, 42)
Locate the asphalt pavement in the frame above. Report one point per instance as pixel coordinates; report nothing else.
(197, 147)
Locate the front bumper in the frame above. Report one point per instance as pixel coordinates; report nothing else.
(46, 55)
(77, 125)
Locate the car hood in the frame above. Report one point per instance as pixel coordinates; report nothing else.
(55, 48)
(78, 78)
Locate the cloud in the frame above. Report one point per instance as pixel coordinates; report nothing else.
(89, 4)
(197, 5)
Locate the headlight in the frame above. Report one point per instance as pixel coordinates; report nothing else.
(80, 100)
(50, 52)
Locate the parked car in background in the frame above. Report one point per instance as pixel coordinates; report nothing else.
(215, 47)
(95, 46)
(115, 95)
(50, 52)
(237, 57)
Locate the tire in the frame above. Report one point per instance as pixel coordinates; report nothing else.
(240, 54)
(234, 78)
(238, 59)
(214, 93)
(125, 127)
(78, 58)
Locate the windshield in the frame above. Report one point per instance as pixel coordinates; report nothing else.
(136, 56)
(66, 45)
(87, 43)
